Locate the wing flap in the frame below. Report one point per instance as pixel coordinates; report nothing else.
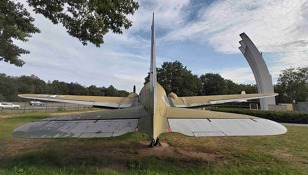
(208, 123)
(88, 125)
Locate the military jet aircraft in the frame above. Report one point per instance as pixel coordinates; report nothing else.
(152, 112)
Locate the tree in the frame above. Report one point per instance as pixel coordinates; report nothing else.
(8, 88)
(76, 89)
(31, 84)
(94, 91)
(174, 77)
(15, 23)
(213, 84)
(87, 20)
(292, 84)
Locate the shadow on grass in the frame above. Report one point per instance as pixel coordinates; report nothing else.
(119, 156)
(128, 156)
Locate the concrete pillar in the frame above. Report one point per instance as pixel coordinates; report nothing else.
(259, 69)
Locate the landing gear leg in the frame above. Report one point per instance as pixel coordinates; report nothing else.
(154, 143)
(157, 143)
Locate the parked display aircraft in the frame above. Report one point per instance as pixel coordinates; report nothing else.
(151, 112)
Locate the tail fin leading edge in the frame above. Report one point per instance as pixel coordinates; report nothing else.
(153, 78)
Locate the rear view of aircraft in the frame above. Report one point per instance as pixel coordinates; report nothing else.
(151, 112)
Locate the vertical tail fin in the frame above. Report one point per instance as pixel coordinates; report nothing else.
(153, 78)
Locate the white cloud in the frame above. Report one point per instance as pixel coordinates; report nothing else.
(278, 27)
(239, 75)
(168, 14)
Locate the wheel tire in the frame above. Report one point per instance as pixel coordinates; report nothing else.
(152, 144)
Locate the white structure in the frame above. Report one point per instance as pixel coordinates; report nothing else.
(259, 69)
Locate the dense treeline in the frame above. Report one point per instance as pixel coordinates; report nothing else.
(174, 77)
(10, 87)
(278, 116)
(292, 85)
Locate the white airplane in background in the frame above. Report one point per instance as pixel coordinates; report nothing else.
(151, 112)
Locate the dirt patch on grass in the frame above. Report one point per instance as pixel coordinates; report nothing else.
(166, 150)
(287, 156)
(15, 146)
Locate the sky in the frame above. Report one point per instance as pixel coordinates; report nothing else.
(201, 34)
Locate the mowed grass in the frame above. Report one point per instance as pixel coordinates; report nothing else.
(129, 154)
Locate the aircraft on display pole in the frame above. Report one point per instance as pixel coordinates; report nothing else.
(151, 112)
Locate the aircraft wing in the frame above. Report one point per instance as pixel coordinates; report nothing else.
(196, 101)
(197, 123)
(87, 125)
(96, 101)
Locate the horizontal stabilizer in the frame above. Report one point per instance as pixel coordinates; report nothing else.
(208, 123)
(87, 125)
(226, 127)
(79, 129)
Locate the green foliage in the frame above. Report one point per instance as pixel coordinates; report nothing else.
(174, 77)
(86, 20)
(10, 87)
(278, 116)
(213, 84)
(292, 84)
(15, 24)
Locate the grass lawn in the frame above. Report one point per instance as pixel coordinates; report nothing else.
(129, 154)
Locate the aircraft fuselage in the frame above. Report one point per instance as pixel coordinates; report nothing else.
(156, 104)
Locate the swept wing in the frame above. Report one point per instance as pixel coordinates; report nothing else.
(197, 101)
(97, 101)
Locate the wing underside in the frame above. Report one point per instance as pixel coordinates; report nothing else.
(88, 125)
(208, 123)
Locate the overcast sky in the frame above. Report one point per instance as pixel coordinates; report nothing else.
(202, 34)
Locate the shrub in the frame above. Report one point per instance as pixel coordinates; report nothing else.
(278, 116)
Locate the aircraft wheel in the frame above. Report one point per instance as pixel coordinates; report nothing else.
(152, 144)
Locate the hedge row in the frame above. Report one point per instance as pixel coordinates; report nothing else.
(278, 116)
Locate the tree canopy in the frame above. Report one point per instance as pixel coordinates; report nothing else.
(292, 84)
(87, 20)
(15, 24)
(213, 84)
(174, 77)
